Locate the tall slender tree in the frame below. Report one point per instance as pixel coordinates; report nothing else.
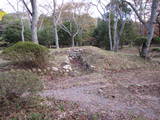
(149, 25)
(103, 8)
(33, 12)
(55, 9)
(119, 12)
(19, 15)
(73, 14)
(56, 17)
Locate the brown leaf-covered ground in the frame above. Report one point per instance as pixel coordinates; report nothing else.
(122, 86)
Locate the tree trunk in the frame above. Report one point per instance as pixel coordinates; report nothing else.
(22, 30)
(119, 34)
(110, 34)
(73, 41)
(150, 29)
(77, 44)
(55, 33)
(34, 21)
(143, 50)
(56, 37)
(145, 47)
(115, 34)
(117, 44)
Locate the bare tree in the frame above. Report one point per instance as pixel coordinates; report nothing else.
(114, 8)
(103, 12)
(16, 9)
(119, 14)
(74, 11)
(110, 32)
(56, 17)
(114, 4)
(34, 18)
(149, 25)
(55, 9)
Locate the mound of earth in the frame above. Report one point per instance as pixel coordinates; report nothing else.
(101, 59)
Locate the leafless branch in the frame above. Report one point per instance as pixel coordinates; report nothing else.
(134, 9)
(27, 7)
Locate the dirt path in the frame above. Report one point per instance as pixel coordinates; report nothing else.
(134, 92)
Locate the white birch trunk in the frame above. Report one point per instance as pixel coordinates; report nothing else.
(119, 34)
(115, 33)
(34, 21)
(110, 33)
(73, 41)
(22, 29)
(55, 33)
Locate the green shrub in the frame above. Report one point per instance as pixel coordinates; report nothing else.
(28, 54)
(140, 40)
(45, 36)
(101, 34)
(14, 84)
(12, 33)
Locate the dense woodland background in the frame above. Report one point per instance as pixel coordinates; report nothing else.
(72, 24)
